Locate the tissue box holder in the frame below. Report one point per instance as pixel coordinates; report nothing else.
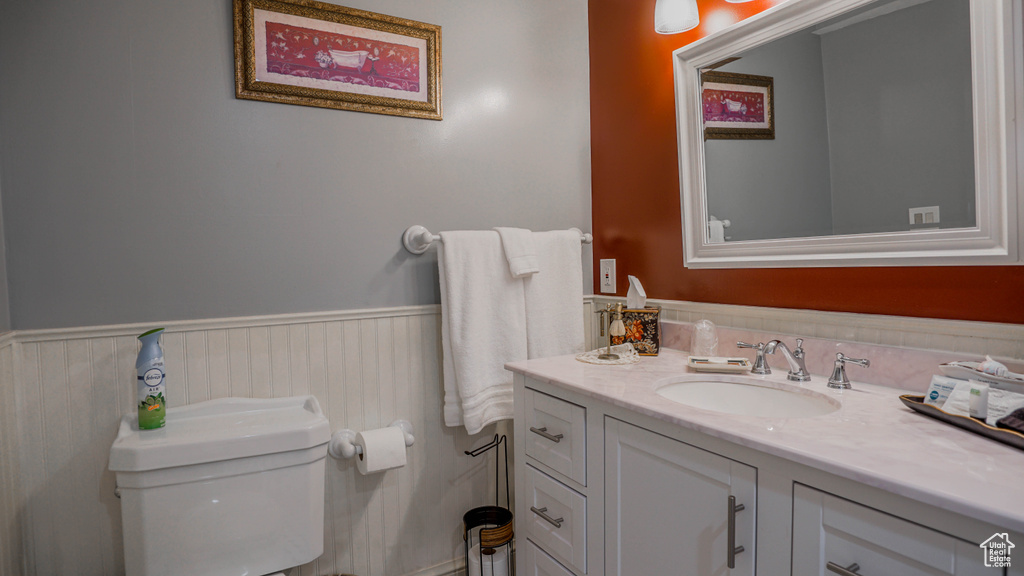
(643, 330)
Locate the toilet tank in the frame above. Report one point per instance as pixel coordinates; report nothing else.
(228, 487)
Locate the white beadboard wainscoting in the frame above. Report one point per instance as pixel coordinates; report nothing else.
(10, 479)
(69, 388)
(62, 392)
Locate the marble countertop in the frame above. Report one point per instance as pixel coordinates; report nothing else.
(872, 438)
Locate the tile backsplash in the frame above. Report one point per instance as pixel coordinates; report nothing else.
(904, 352)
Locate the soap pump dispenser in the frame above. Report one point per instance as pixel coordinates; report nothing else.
(617, 328)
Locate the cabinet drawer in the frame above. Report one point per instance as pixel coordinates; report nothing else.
(556, 518)
(537, 563)
(556, 434)
(830, 529)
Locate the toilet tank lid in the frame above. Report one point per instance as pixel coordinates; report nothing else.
(221, 429)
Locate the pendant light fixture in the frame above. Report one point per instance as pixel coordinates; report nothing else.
(675, 16)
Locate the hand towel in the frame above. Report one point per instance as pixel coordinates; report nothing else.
(483, 326)
(519, 251)
(554, 296)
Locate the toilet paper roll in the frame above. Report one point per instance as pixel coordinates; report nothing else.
(383, 449)
(494, 565)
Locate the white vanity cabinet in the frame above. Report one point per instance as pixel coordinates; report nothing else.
(671, 508)
(831, 534)
(603, 489)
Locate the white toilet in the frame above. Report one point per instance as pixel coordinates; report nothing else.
(229, 487)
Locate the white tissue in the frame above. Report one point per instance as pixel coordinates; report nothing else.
(636, 298)
(383, 449)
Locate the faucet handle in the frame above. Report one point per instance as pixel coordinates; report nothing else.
(838, 378)
(800, 344)
(840, 357)
(760, 366)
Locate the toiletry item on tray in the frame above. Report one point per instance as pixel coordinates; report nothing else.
(1013, 421)
(643, 330)
(978, 400)
(1006, 436)
(976, 371)
(718, 364)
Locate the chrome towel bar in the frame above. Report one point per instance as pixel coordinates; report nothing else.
(417, 238)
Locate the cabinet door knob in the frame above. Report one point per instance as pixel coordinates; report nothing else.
(733, 549)
(556, 522)
(850, 570)
(556, 438)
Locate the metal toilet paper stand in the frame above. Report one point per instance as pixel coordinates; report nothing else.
(491, 525)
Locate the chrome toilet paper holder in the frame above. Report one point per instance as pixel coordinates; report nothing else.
(343, 442)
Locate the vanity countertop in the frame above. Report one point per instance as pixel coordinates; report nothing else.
(873, 438)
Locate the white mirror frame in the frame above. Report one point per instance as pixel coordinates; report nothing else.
(998, 92)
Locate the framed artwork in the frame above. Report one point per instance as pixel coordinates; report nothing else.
(317, 54)
(737, 106)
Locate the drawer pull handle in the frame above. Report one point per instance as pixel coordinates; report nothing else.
(556, 438)
(556, 522)
(850, 570)
(733, 549)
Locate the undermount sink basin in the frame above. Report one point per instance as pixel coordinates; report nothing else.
(747, 397)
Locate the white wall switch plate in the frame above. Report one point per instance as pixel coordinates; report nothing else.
(608, 276)
(924, 215)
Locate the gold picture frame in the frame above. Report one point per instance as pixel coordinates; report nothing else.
(317, 54)
(753, 97)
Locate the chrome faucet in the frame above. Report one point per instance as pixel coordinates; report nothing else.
(797, 369)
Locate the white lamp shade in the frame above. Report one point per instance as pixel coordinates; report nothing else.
(675, 16)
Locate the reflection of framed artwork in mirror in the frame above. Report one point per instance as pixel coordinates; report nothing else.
(737, 106)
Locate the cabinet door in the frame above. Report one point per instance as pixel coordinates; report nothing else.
(534, 562)
(828, 529)
(667, 507)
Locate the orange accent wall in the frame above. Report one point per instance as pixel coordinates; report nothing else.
(636, 211)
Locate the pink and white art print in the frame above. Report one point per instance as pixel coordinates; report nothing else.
(316, 54)
(737, 106)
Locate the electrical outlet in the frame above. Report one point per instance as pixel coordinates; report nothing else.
(608, 276)
(924, 216)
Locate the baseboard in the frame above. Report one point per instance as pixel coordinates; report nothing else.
(453, 567)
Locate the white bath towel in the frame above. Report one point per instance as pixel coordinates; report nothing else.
(483, 326)
(519, 251)
(554, 296)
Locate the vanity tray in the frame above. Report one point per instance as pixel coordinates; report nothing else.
(916, 403)
(718, 364)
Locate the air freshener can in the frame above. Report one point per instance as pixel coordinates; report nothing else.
(151, 381)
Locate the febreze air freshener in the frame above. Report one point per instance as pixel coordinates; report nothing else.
(150, 366)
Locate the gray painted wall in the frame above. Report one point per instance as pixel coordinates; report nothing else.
(777, 188)
(899, 117)
(137, 188)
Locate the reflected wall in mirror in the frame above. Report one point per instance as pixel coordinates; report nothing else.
(894, 137)
(874, 120)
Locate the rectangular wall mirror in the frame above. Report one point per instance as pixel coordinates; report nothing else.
(892, 135)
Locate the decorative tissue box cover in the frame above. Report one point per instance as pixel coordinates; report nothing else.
(643, 330)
